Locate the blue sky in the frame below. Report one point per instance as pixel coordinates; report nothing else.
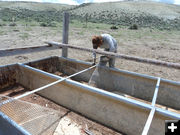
(77, 2)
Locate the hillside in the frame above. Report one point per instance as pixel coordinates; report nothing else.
(144, 14)
(137, 8)
(33, 6)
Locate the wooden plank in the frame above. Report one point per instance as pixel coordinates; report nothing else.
(17, 51)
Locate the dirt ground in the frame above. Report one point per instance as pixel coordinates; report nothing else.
(146, 43)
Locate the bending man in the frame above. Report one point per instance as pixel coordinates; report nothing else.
(107, 42)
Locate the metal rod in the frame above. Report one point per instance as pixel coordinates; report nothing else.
(148, 122)
(43, 87)
(151, 115)
(156, 92)
(122, 56)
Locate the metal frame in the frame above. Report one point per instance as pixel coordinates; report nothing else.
(55, 45)
(140, 104)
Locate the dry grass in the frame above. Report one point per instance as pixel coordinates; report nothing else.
(146, 43)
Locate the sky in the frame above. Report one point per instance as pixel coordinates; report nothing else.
(77, 2)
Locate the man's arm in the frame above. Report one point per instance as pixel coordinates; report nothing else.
(94, 57)
(111, 46)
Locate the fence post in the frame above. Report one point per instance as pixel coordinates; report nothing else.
(65, 34)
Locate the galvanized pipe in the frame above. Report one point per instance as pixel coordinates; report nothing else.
(156, 92)
(151, 115)
(148, 122)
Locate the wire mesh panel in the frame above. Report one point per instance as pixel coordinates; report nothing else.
(32, 117)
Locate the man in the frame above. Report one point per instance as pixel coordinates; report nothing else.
(107, 42)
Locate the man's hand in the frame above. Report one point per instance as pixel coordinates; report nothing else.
(93, 64)
(94, 60)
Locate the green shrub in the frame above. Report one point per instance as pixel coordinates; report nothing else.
(24, 36)
(113, 27)
(48, 24)
(43, 24)
(12, 24)
(2, 24)
(133, 27)
(52, 24)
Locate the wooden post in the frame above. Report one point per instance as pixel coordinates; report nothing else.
(65, 34)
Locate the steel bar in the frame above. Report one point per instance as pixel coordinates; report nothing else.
(151, 115)
(156, 92)
(148, 122)
(122, 56)
(43, 87)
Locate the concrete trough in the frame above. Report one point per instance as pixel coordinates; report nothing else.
(127, 112)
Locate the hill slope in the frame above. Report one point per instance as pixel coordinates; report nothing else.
(33, 6)
(167, 11)
(144, 14)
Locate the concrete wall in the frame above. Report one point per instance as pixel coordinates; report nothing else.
(127, 118)
(137, 86)
(8, 75)
(64, 65)
(159, 121)
(50, 64)
(134, 84)
(113, 80)
(124, 117)
(69, 67)
(169, 95)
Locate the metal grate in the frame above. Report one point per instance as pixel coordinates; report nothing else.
(32, 117)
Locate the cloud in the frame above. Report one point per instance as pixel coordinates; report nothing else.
(87, 1)
(24, 0)
(70, 2)
(77, 2)
(98, 1)
(177, 2)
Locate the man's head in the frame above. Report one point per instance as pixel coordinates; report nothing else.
(97, 41)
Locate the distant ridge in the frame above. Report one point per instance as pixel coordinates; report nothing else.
(143, 13)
